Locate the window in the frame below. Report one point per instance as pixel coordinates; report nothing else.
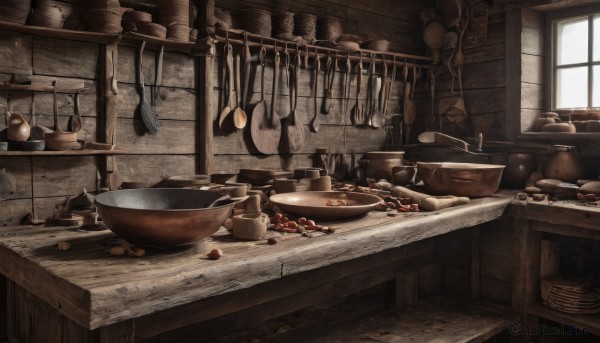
(576, 62)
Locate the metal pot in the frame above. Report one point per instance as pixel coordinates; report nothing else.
(380, 163)
(460, 179)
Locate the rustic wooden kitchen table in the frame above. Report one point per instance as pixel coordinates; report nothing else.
(87, 295)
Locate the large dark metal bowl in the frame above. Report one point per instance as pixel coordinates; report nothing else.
(162, 216)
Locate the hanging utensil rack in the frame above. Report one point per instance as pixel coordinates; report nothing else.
(236, 37)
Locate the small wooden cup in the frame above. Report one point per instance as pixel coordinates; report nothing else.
(250, 226)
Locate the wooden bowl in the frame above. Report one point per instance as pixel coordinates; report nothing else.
(348, 45)
(61, 146)
(560, 127)
(382, 45)
(60, 136)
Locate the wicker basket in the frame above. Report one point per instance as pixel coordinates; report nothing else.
(329, 28)
(283, 22)
(250, 226)
(305, 25)
(151, 29)
(178, 32)
(257, 21)
(105, 20)
(174, 11)
(15, 11)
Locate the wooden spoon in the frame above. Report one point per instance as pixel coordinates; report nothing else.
(265, 134)
(239, 115)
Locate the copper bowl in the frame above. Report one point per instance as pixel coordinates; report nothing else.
(164, 217)
(460, 179)
(314, 204)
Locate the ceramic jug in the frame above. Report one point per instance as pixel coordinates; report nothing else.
(564, 164)
(18, 128)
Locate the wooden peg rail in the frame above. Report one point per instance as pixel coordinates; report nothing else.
(236, 37)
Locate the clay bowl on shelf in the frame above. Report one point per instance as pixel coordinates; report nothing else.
(188, 180)
(315, 204)
(163, 217)
(460, 179)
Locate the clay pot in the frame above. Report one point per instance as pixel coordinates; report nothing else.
(518, 169)
(18, 129)
(564, 164)
(544, 119)
(47, 16)
(380, 163)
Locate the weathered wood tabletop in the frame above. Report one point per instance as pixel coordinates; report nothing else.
(96, 289)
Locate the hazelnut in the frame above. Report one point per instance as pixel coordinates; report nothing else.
(62, 246)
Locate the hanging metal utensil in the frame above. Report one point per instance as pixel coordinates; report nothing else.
(247, 56)
(356, 112)
(149, 116)
(225, 120)
(329, 77)
(113, 81)
(314, 124)
(75, 120)
(294, 132)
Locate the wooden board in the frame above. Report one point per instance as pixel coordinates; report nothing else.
(59, 176)
(20, 169)
(432, 320)
(95, 289)
(15, 53)
(12, 211)
(155, 168)
(64, 58)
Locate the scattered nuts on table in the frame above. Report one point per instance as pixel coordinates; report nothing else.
(136, 252)
(215, 254)
(117, 251)
(62, 246)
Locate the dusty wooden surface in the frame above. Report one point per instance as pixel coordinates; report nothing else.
(95, 289)
(434, 320)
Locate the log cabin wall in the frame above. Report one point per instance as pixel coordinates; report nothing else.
(45, 183)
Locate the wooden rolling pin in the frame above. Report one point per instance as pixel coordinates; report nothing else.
(429, 202)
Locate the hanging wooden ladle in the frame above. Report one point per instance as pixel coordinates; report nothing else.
(314, 124)
(75, 120)
(228, 109)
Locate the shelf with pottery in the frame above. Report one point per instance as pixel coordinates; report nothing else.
(86, 36)
(41, 88)
(96, 37)
(81, 152)
(240, 37)
(560, 136)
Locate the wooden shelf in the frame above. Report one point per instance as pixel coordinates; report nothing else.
(153, 42)
(559, 136)
(40, 88)
(86, 36)
(235, 37)
(591, 322)
(83, 152)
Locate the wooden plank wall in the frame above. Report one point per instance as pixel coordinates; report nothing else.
(45, 182)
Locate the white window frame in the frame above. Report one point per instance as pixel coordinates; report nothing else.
(551, 27)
